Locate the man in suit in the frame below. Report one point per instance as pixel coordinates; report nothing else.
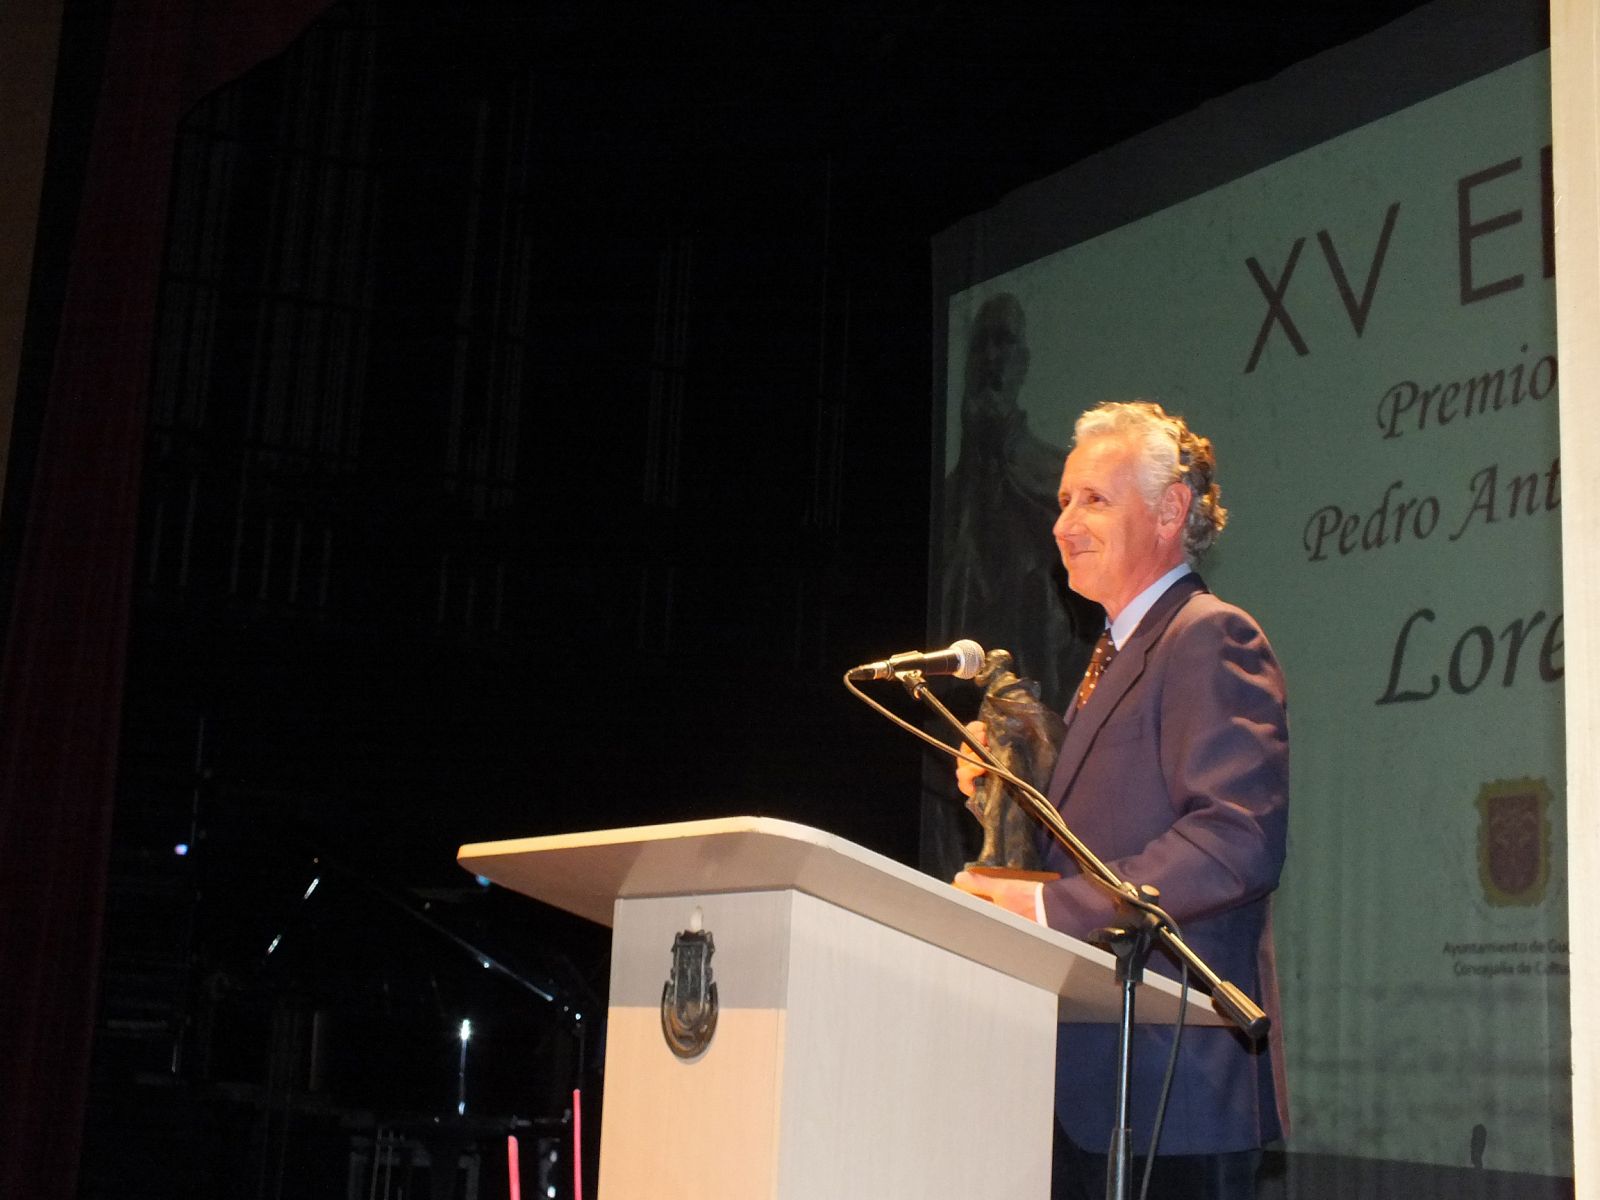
(1174, 770)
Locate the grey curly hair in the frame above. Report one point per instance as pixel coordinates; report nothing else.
(1172, 453)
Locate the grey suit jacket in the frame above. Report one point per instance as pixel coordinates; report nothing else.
(1176, 773)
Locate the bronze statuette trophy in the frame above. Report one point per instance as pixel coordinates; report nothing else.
(1024, 735)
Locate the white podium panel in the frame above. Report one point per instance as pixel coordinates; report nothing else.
(838, 1067)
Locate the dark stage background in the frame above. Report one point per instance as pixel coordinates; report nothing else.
(530, 424)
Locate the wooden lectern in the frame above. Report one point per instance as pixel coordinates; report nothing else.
(879, 1033)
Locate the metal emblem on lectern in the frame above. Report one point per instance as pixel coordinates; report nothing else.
(689, 997)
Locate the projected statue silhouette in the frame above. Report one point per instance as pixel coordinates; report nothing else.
(1003, 583)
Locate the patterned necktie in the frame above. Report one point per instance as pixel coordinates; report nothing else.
(1104, 651)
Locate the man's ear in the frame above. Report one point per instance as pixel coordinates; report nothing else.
(1172, 511)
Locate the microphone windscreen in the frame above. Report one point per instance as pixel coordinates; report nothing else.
(970, 656)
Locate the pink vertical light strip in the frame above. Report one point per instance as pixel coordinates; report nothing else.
(577, 1144)
(513, 1167)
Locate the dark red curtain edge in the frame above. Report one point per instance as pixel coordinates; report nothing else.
(61, 680)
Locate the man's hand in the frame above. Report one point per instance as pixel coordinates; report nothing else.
(967, 774)
(1020, 896)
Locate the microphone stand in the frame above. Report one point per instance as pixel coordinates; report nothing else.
(1131, 942)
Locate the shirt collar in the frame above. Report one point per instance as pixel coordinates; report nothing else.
(1128, 619)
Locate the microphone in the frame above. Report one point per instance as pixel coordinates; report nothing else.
(962, 659)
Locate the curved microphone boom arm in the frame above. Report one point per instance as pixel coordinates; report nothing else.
(1228, 999)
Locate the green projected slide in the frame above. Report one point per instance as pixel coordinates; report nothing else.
(1367, 332)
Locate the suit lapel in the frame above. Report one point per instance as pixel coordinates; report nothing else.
(1119, 678)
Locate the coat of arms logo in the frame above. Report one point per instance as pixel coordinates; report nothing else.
(1514, 841)
(689, 997)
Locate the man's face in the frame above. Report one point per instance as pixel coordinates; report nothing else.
(1113, 544)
